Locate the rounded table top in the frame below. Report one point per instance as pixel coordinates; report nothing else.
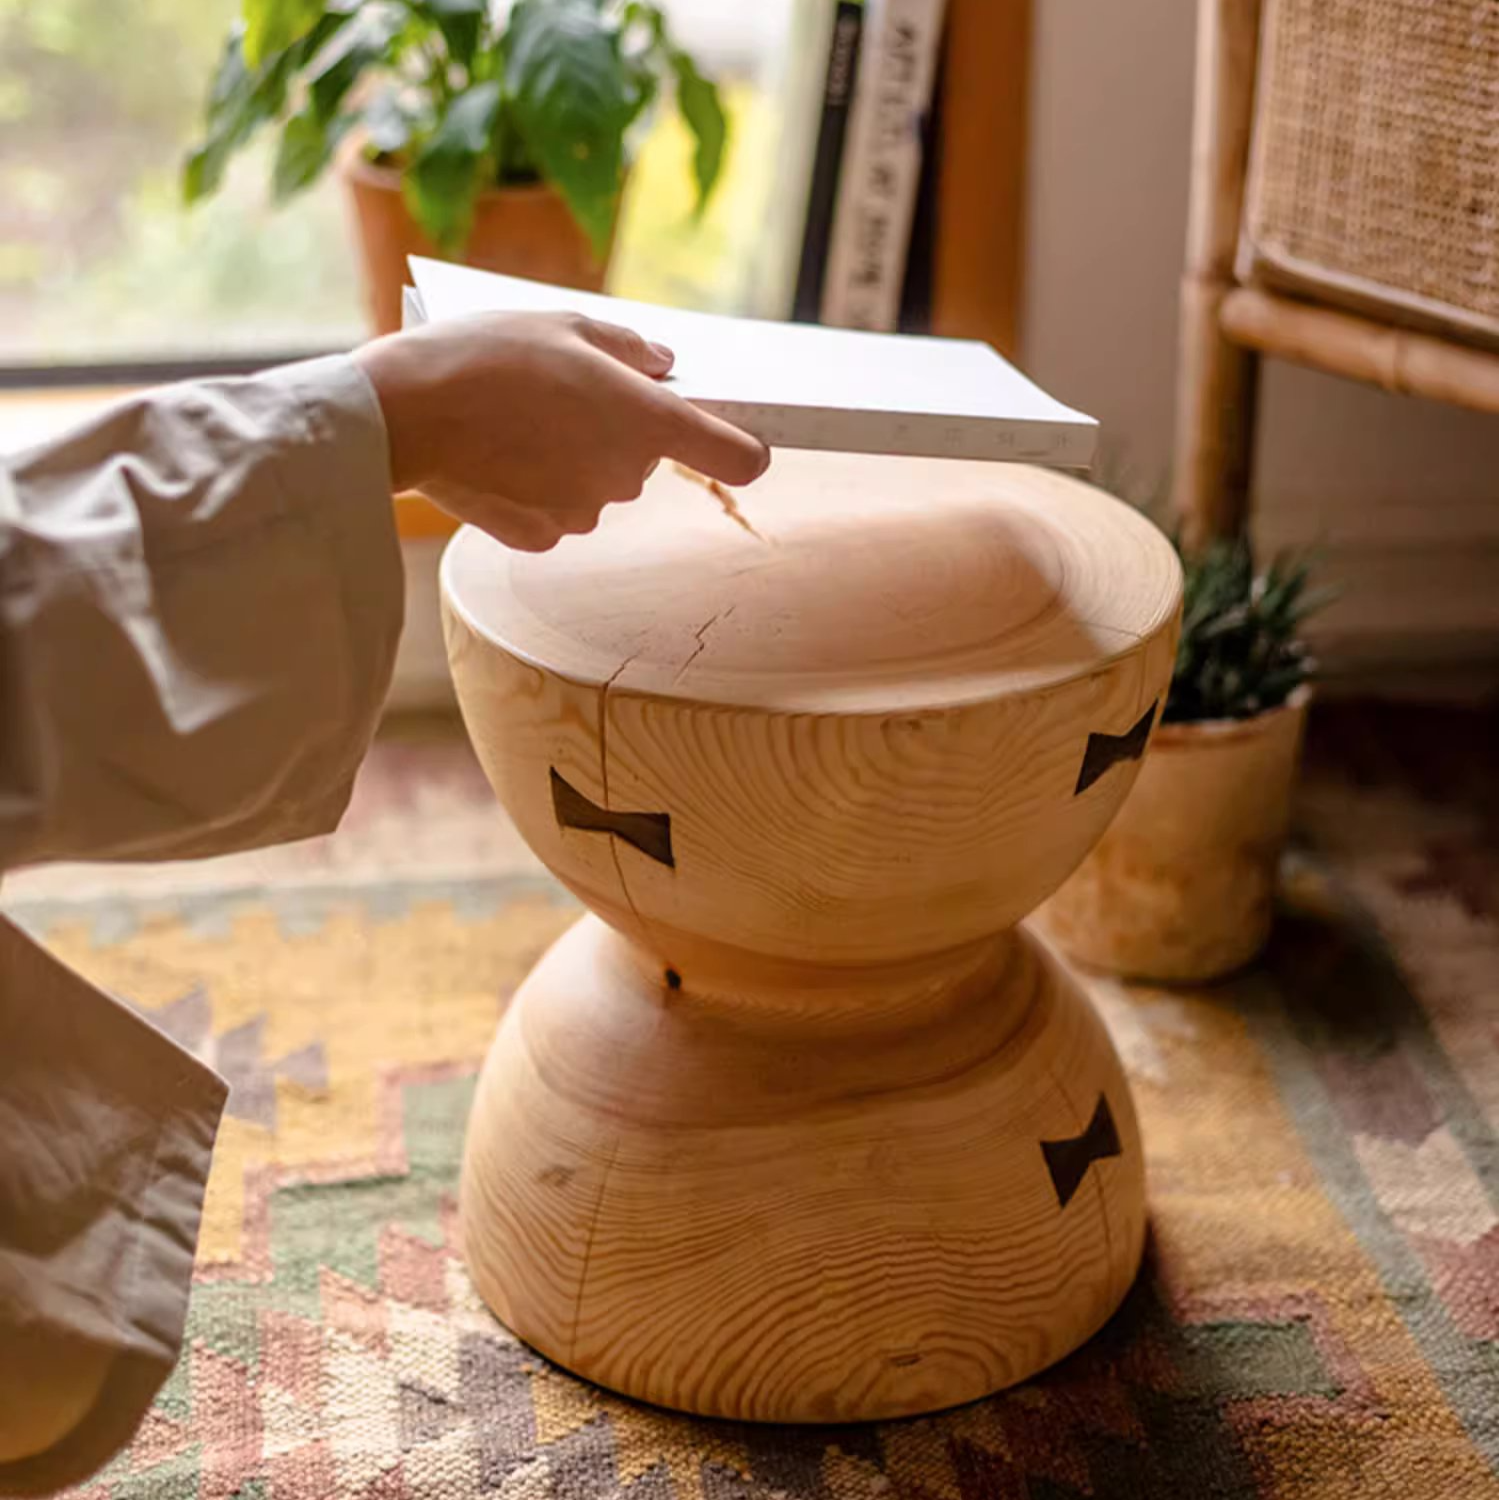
(866, 585)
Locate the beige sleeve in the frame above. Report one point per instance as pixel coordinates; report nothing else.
(106, 1130)
(200, 600)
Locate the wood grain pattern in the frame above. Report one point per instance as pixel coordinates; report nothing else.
(812, 1220)
(874, 585)
(772, 1147)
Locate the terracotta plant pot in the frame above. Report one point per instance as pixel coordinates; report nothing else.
(1182, 886)
(518, 231)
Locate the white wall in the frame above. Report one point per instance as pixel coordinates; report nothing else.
(1403, 493)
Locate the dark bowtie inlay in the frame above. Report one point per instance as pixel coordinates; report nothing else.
(648, 832)
(1068, 1161)
(1105, 750)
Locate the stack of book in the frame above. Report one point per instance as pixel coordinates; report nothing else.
(865, 241)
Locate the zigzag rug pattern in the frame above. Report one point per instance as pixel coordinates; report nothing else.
(1319, 1314)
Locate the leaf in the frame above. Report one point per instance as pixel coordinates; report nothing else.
(232, 78)
(1239, 653)
(461, 22)
(308, 140)
(202, 171)
(697, 96)
(644, 86)
(272, 26)
(241, 100)
(641, 13)
(572, 100)
(469, 120)
(230, 98)
(444, 176)
(388, 122)
(702, 109)
(358, 47)
(513, 161)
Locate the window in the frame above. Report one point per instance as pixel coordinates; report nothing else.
(102, 265)
(99, 261)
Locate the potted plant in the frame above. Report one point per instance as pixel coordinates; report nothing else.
(1181, 886)
(460, 129)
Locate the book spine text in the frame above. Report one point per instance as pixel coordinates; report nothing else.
(822, 197)
(881, 164)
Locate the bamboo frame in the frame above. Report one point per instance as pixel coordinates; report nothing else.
(1216, 379)
(1226, 328)
(1394, 359)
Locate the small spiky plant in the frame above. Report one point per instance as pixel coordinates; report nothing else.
(1241, 650)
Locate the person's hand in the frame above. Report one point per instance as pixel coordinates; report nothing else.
(528, 425)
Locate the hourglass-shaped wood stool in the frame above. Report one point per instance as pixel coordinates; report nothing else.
(799, 1126)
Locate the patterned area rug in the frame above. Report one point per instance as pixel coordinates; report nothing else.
(1319, 1315)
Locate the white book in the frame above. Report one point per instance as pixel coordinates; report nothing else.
(799, 386)
(882, 164)
(412, 312)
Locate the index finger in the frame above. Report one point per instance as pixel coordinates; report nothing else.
(710, 445)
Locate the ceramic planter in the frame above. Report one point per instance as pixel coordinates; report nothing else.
(518, 231)
(1182, 886)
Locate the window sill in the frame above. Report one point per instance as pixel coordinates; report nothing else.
(33, 416)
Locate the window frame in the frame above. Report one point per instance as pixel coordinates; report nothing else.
(94, 374)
